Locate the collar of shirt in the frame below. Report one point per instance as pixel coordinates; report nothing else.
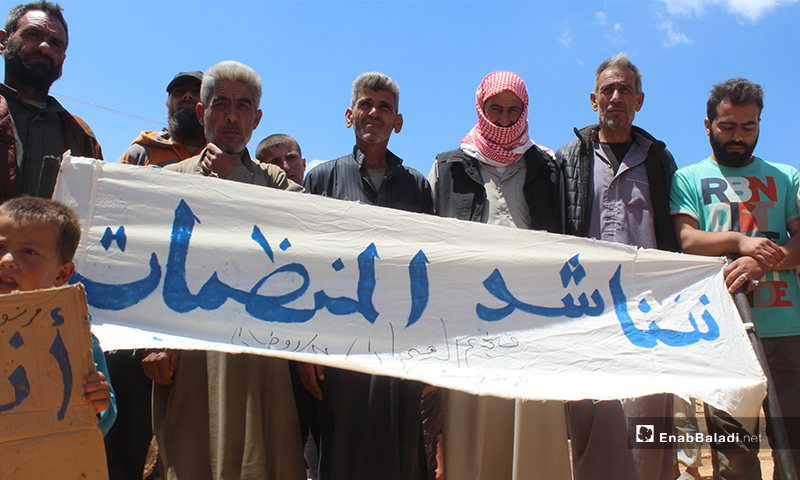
(392, 160)
(636, 155)
(11, 95)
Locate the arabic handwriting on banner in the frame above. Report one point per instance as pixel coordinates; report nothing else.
(18, 322)
(272, 308)
(496, 285)
(572, 270)
(214, 293)
(463, 349)
(648, 338)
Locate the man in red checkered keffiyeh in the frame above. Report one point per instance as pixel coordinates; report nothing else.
(501, 135)
(498, 176)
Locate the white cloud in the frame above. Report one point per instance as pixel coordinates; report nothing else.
(565, 38)
(615, 35)
(580, 62)
(601, 18)
(313, 163)
(749, 9)
(686, 7)
(674, 37)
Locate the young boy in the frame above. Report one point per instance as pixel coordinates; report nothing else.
(38, 239)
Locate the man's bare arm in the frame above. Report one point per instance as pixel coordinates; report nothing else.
(693, 240)
(791, 249)
(744, 270)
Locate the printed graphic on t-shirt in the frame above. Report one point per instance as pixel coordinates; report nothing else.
(741, 204)
(758, 200)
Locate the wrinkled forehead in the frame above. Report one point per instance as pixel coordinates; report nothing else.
(42, 20)
(234, 91)
(615, 76)
(498, 82)
(376, 95)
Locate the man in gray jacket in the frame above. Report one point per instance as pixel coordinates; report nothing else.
(618, 181)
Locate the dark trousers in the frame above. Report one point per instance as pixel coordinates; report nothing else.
(128, 440)
(740, 462)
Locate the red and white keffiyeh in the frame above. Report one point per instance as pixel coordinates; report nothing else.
(503, 145)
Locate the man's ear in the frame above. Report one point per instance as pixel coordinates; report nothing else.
(593, 101)
(398, 123)
(64, 273)
(348, 117)
(201, 113)
(708, 126)
(640, 101)
(3, 40)
(259, 113)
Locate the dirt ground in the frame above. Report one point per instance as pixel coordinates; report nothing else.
(765, 453)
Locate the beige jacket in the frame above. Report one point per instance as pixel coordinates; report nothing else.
(251, 171)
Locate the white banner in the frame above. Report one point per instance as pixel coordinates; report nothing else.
(184, 261)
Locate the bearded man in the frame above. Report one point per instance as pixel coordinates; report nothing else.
(734, 203)
(618, 181)
(33, 125)
(184, 137)
(499, 176)
(129, 439)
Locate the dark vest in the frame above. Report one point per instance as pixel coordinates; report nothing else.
(461, 193)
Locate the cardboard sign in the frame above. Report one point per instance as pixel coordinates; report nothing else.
(46, 430)
(190, 262)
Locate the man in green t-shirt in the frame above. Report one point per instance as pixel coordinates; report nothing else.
(734, 203)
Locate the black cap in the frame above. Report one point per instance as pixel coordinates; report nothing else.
(182, 77)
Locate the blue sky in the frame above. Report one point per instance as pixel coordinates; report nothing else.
(122, 54)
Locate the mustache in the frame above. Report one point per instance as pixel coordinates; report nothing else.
(735, 143)
(35, 56)
(375, 120)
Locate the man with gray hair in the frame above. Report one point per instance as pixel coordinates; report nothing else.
(219, 415)
(369, 425)
(617, 189)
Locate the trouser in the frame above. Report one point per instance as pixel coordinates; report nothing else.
(740, 461)
(129, 438)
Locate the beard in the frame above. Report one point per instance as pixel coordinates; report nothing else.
(227, 146)
(731, 159)
(35, 75)
(617, 124)
(184, 126)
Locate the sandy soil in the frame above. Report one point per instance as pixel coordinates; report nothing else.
(765, 453)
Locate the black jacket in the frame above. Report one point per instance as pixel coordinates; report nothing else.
(577, 160)
(345, 178)
(462, 194)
